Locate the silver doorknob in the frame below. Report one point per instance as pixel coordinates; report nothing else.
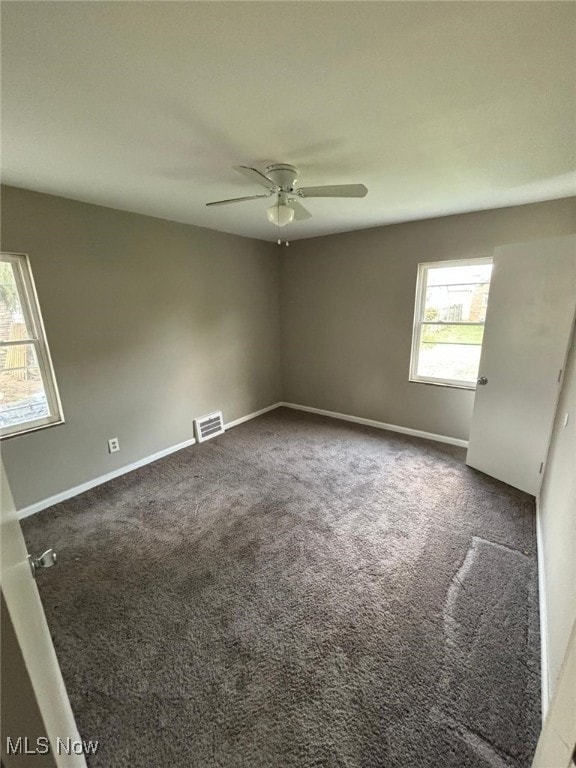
(482, 381)
(46, 560)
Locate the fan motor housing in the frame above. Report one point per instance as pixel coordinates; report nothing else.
(283, 175)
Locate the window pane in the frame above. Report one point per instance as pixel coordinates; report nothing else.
(450, 351)
(457, 294)
(22, 395)
(12, 323)
(28, 392)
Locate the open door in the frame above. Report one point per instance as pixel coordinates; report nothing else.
(36, 712)
(528, 327)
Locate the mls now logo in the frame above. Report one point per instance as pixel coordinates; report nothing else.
(41, 746)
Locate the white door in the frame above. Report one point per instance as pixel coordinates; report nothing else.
(528, 327)
(33, 669)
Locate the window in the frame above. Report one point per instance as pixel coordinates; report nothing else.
(28, 394)
(451, 301)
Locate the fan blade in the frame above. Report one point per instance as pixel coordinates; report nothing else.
(237, 200)
(300, 213)
(337, 190)
(254, 175)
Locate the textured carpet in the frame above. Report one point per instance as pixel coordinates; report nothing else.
(299, 592)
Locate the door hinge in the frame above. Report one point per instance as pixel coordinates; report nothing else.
(541, 467)
(560, 374)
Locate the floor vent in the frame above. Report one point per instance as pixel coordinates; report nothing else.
(209, 426)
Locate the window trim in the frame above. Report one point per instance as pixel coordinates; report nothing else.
(33, 318)
(419, 303)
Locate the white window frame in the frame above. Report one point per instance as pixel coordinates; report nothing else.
(419, 308)
(33, 318)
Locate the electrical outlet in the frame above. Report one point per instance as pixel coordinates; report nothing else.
(113, 445)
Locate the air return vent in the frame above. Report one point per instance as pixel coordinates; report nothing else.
(209, 426)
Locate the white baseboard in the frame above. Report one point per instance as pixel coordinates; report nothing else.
(68, 494)
(544, 666)
(379, 425)
(242, 419)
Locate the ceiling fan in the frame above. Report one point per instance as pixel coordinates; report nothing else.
(281, 180)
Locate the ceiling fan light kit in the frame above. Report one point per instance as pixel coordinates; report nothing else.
(281, 180)
(280, 215)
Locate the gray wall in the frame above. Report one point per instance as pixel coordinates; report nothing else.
(348, 304)
(558, 526)
(150, 324)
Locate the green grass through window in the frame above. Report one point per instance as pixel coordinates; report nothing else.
(452, 334)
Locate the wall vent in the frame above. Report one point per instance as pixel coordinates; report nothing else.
(209, 426)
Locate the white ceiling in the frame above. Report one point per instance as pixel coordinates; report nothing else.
(438, 107)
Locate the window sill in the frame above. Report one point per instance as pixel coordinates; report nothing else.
(469, 387)
(28, 430)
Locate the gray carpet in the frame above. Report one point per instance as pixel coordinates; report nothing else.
(299, 592)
